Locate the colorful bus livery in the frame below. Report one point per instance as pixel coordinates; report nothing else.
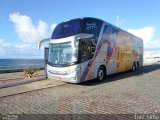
(86, 48)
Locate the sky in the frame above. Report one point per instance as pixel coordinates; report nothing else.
(24, 23)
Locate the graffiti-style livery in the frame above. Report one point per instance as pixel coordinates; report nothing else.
(86, 48)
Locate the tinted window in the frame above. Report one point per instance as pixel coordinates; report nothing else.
(91, 26)
(66, 29)
(86, 49)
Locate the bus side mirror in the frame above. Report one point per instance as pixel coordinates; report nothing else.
(42, 41)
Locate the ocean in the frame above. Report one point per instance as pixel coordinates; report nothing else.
(14, 64)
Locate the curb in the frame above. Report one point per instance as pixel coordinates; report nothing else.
(20, 82)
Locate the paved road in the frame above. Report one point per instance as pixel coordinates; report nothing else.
(122, 94)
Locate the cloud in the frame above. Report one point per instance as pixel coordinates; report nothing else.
(146, 33)
(10, 50)
(27, 31)
(3, 46)
(148, 36)
(30, 34)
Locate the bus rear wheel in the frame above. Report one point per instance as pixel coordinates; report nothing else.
(101, 74)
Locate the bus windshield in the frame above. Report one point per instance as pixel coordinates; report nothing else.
(77, 26)
(66, 29)
(62, 54)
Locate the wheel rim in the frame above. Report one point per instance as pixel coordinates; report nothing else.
(100, 75)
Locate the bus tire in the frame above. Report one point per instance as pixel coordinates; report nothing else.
(134, 67)
(101, 73)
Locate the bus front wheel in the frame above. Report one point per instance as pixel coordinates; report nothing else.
(101, 73)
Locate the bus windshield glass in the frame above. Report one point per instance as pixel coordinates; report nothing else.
(62, 54)
(66, 29)
(91, 26)
(77, 26)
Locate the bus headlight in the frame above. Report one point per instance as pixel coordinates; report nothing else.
(73, 71)
(70, 72)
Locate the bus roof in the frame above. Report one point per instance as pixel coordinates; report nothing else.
(97, 19)
(83, 18)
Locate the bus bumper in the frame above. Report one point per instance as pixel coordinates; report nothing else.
(65, 78)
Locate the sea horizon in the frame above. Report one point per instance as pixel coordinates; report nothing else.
(13, 64)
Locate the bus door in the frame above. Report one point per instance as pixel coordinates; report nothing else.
(87, 48)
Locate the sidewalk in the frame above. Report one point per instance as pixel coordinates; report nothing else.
(17, 78)
(14, 83)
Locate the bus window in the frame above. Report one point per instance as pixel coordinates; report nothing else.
(91, 26)
(86, 49)
(66, 29)
(62, 53)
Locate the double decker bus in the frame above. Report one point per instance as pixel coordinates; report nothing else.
(87, 48)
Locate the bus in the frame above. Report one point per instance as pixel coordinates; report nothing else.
(89, 48)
